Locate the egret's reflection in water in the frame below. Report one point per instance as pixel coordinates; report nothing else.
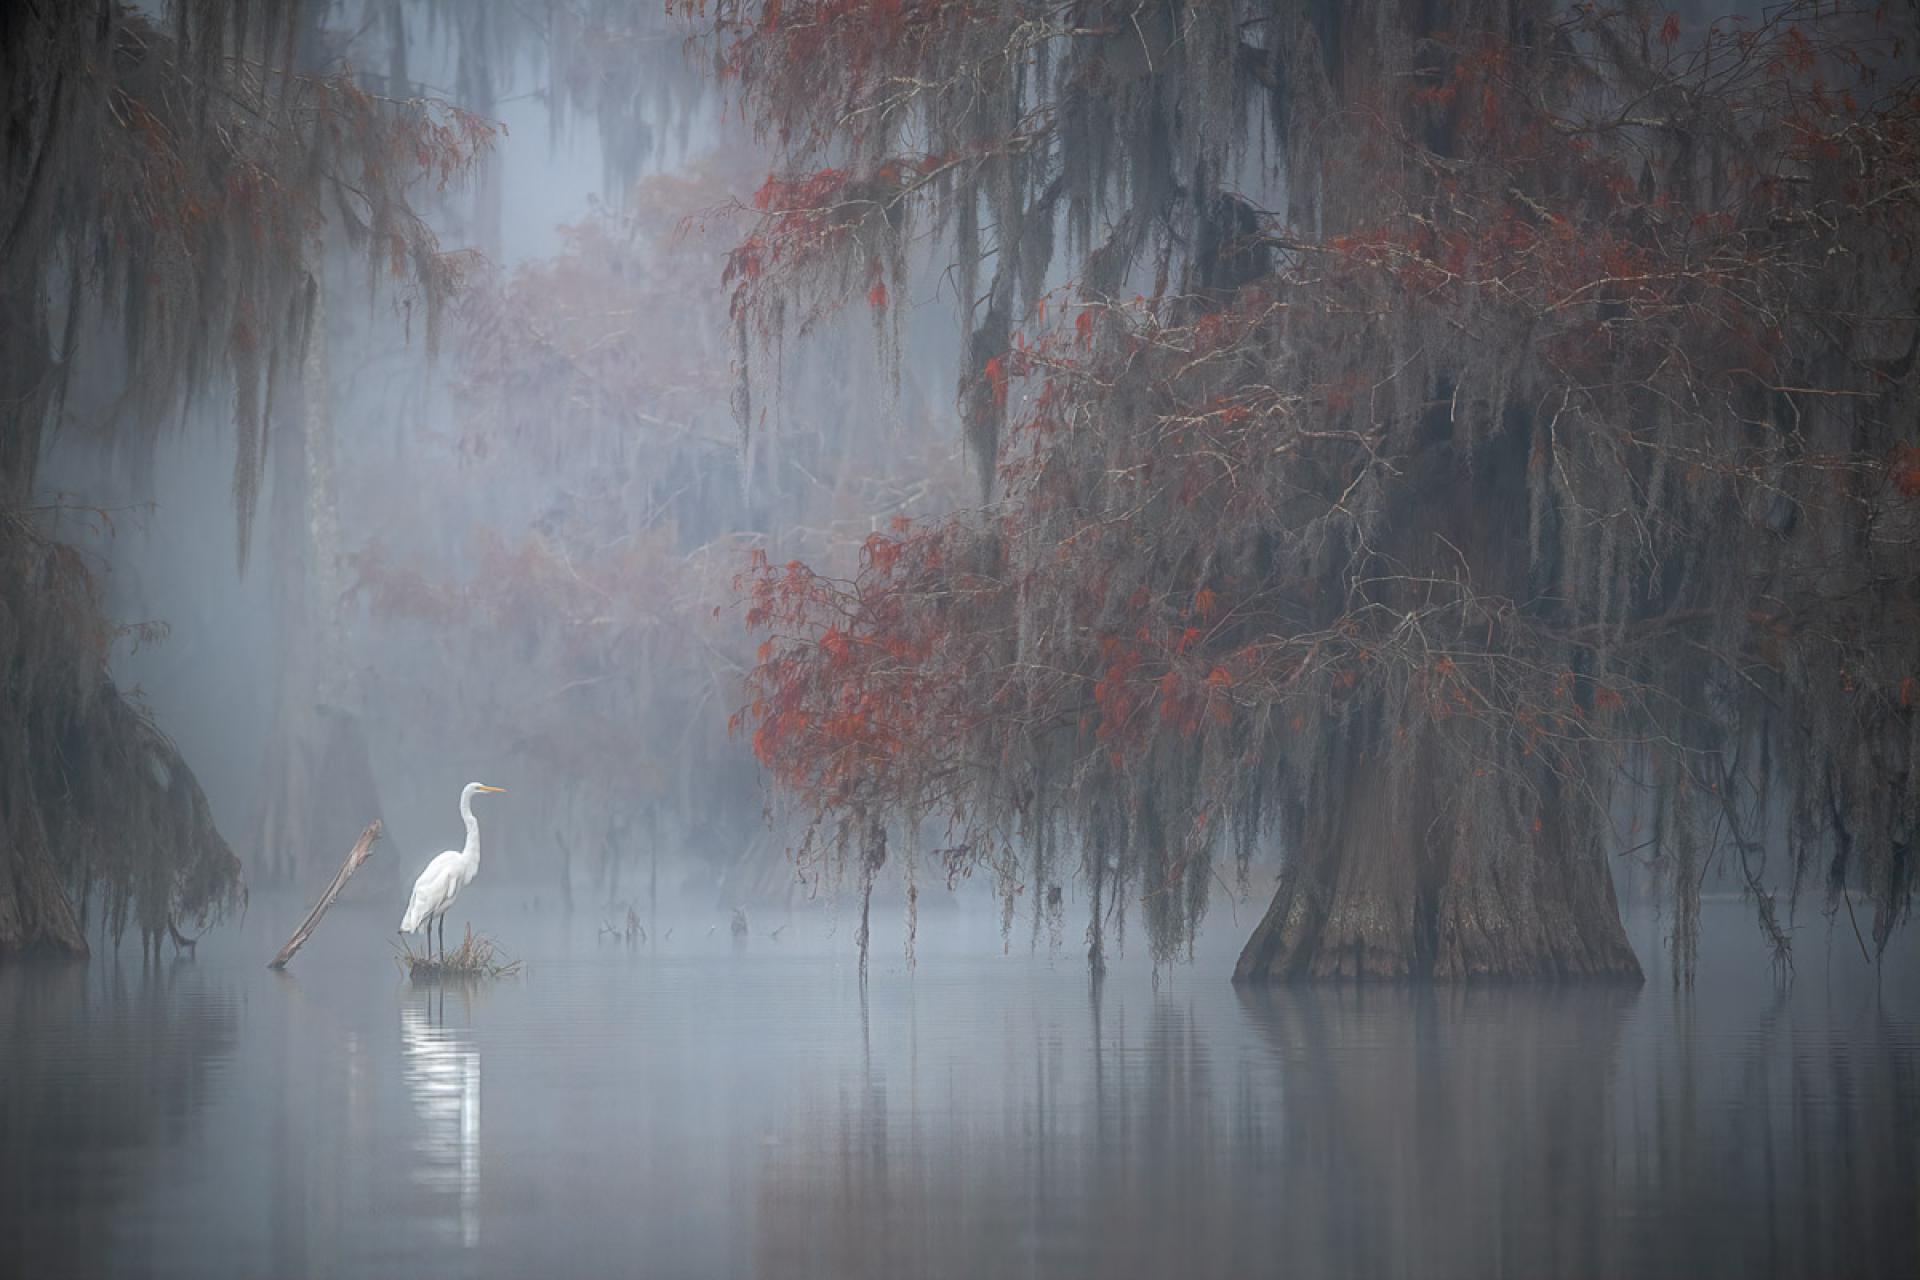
(443, 1076)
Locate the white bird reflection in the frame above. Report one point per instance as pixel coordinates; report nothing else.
(443, 1075)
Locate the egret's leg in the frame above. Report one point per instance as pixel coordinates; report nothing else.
(443, 937)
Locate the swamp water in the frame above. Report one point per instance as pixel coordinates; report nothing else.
(697, 1109)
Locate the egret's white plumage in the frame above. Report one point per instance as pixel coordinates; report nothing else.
(447, 874)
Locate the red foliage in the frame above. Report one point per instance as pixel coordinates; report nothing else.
(778, 49)
(996, 375)
(1151, 437)
(845, 684)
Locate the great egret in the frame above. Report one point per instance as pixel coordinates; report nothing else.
(446, 876)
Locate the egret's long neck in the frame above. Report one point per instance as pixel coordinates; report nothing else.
(472, 852)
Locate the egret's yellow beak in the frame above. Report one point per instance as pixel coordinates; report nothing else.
(501, 790)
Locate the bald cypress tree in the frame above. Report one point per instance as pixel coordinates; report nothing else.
(1454, 445)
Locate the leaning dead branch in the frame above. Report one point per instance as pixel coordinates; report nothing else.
(362, 849)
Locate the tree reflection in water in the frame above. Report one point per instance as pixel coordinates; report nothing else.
(1362, 1131)
(97, 1064)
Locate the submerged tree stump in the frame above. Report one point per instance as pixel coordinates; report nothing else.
(362, 848)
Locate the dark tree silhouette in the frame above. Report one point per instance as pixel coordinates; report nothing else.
(163, 197)
(1460, 443)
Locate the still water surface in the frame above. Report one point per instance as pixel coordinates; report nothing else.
(696, 1110)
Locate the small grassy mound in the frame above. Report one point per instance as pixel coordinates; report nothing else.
(477, 956)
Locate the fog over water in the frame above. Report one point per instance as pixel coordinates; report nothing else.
(1058, 447)
(703, 1109)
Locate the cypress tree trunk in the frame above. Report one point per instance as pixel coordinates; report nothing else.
(35, 913)
(34, 910)
(1408, 890)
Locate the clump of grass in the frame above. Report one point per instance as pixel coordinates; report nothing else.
(477, 956)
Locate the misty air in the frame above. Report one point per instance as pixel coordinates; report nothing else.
(873, 639)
